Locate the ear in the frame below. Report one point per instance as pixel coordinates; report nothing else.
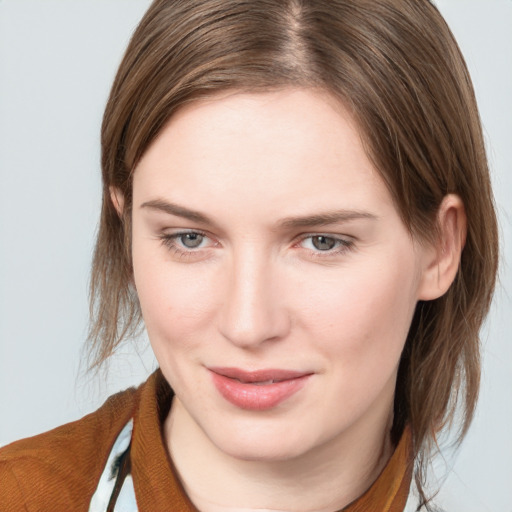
(442, 259)
(117, 198)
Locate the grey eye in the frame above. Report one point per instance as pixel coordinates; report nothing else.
(323, 243)
(191, 240)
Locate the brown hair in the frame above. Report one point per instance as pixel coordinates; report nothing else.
(396, 65)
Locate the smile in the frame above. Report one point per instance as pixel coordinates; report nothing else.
(257, 390)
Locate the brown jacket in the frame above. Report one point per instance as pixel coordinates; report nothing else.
(59, 470)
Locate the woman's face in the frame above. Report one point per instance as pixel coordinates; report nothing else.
(276, 279)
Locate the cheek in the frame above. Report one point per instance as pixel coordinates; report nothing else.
(363, 316)
(360, 326)
(175, 302)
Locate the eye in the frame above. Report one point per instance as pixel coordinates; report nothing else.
(323, 243)
(186, 241)
(326, 244)
(191, 240)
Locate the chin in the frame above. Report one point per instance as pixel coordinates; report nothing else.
(269, 443)
(266, 452)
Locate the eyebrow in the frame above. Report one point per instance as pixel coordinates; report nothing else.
(305, 221)
(177, 210)
(325, 218)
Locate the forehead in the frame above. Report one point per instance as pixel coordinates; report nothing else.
(276, 147)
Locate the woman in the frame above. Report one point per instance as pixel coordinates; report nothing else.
(297, 202)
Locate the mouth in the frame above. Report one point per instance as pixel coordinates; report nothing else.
(257, 390)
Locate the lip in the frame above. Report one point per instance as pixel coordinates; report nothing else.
(257, 390)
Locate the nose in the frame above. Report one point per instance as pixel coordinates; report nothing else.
(254, 310)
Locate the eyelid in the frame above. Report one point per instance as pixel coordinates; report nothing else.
(335, 236)
(170, 240)
(344, 243)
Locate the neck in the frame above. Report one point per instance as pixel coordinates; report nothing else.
(216, 481)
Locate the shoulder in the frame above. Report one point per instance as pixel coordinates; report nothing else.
(61, 468)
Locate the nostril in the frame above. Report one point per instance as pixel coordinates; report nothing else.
(250, 327)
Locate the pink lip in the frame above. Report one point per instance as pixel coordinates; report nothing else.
(254, 390)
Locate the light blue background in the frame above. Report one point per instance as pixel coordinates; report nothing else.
(57, 61)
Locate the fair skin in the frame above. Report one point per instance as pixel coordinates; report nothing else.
(265, 241)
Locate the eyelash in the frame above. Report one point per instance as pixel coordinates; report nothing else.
(169, 241)
(343, 245)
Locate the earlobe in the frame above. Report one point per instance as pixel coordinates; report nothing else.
(442, 259)
(117, 198)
